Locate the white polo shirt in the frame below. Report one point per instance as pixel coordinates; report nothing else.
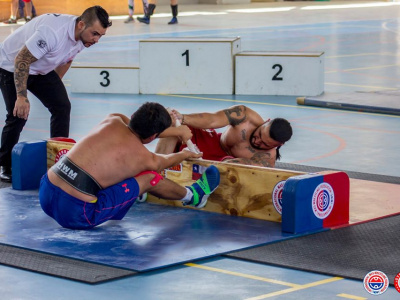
(50, 38)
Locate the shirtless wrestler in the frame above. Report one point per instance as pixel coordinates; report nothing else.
(247, 139)
(103, 174)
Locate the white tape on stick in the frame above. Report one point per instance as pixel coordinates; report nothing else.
(192, 147)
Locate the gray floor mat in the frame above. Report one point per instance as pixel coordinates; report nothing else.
(59, 266)
(349, 252)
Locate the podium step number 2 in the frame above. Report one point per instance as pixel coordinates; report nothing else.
(280, 73)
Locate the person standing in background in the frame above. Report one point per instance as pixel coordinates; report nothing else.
(30, 12)
(131, 9)
(152, 7)
(13, 15)
(18, 5)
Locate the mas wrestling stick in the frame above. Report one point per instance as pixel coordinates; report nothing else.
(192, 147)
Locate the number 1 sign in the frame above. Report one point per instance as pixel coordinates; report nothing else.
(188, 65)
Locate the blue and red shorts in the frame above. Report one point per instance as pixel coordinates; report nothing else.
(112, 204)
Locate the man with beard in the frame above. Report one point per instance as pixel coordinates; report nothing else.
(35, 57)
(247, 139)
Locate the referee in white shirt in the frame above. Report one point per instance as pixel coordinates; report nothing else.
(35, 57)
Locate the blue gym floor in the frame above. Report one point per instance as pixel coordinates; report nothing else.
(361, 48)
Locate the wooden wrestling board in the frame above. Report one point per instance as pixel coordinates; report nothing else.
(55, 150)
(245, 191)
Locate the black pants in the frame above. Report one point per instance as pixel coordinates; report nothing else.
(50, 90)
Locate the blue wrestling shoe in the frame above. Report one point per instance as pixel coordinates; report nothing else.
(144, 19)
(174, 20)
(203, 187)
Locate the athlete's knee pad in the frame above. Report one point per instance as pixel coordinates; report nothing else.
(155, 180)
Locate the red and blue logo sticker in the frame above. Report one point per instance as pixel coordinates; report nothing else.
(60, 154)
(277, 196)
(323, 200)
(376, 282)
(397, 282)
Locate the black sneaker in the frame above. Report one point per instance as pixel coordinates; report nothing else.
(174, 20)
(144, 19)
(5, 174)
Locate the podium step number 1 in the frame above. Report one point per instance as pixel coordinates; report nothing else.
(188, 65)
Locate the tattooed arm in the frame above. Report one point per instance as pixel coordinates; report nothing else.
(234, 115)
(22, 63)
(261, 159)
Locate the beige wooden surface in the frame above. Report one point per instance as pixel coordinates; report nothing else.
(5, 9)
(55, 149)
(371, 199)
(244, 191)
(73, 7)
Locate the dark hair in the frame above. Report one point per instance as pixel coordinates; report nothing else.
(151, 118)
(280, 131)
(94, 13)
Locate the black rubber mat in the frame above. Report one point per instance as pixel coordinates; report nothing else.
(349, 252)
(59, 266)
(351, 174)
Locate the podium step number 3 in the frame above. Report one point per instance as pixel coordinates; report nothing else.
(90, 79)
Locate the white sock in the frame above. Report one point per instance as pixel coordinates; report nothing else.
(189, 195)
(131, 7)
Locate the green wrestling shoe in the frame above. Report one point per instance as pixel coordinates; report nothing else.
(203, 187)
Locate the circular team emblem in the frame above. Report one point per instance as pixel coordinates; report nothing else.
(41, 43)
(60, 154)
(277, 196)
(323, 200)
(376, 282)
(397, 282)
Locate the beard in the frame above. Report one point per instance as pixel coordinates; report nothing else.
(252, 138)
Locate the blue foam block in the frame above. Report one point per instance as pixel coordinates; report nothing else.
(297, 213)
(29, 163)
